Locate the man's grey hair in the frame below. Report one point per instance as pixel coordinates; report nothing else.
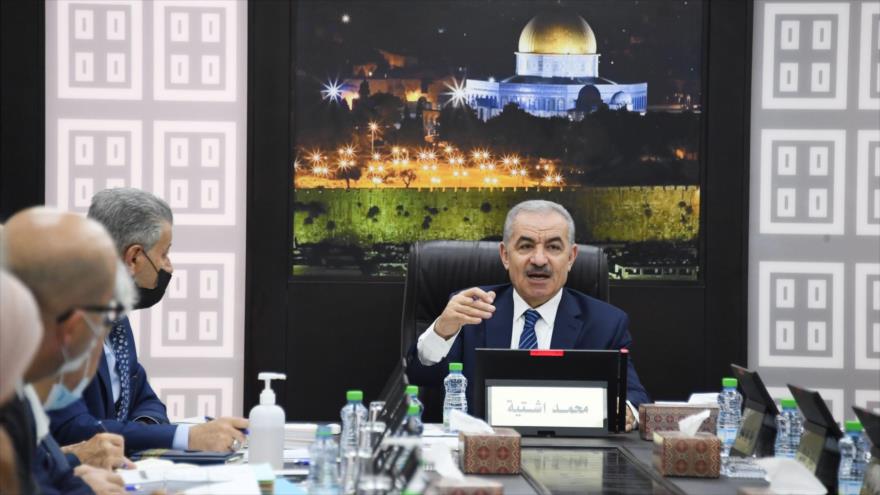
(537, 206)
(131, 216)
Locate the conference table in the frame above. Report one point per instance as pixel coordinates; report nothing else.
(618, 464)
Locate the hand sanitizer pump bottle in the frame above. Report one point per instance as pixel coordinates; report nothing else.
(266, 439)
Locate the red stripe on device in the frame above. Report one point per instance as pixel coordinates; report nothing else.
(546, 353)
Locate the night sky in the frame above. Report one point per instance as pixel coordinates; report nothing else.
(657, 41)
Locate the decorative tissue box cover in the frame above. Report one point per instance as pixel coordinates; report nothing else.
(470, 485)
(662, 417)
(676, 454)
(496, 453)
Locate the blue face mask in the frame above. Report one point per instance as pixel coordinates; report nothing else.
(60, 396)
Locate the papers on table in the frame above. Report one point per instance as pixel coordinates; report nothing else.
(299, 454)
(303, 434)
(696, 399)
(435, 434)
(185, 478)
(436, 430)
(704, 398)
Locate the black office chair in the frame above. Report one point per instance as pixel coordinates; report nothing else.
(436, 269)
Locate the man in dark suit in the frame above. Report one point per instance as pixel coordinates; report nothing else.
(69, 264)
(533, 311)
(121, 400)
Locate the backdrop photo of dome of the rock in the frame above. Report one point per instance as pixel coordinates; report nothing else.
(429, 120)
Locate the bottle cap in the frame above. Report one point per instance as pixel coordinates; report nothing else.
(323, 431)
(412, 390)
(267, 396)
(456, 366)
(852, 426)
(788, 403)
(728, 382)
(412, 410)
(357, 395)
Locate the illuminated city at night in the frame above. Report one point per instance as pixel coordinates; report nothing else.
(431, 121)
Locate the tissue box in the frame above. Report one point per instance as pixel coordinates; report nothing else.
(663, 417)
(470, 485)
(677, 454)
(490, 453)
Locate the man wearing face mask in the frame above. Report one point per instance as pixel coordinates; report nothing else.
(104, 450)
(69, 264)
(92, 461)
(121, 397)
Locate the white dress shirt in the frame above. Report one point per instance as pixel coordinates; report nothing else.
(111, 365)
(41, 419)
(432, 348)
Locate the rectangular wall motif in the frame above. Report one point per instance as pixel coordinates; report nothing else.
(152, 95)
(814, 231)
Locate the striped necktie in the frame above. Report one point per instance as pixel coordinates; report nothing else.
(528, 339)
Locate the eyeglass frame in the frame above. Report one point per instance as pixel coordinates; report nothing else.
(115, 309)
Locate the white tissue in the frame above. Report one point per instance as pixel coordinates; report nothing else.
(466, 423)
(790, 477)
(440, 456)
(691, 424)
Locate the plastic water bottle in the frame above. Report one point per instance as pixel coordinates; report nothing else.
(789, 428)
(456, 398)
(729, 418)
(323, 470)
(354, 416)
(412, 391)
(414, 426)
(853, 460)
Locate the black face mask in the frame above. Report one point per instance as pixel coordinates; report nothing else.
(149, 297)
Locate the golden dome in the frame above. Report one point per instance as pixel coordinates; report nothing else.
(557, 32)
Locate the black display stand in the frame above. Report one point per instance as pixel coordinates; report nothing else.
(819, 450)
(757, 435)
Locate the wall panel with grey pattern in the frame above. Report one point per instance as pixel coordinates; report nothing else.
(151, 94)
(814, 245)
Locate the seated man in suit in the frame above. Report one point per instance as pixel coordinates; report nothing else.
(534, 310)
(121, 396)
(69, 265)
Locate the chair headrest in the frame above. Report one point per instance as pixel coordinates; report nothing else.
(439, 268)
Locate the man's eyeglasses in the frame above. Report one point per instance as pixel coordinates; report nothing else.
(112, 312)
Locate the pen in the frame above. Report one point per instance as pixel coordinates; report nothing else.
(101, 426)
(243, 430)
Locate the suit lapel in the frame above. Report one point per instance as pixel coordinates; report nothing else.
(106, 388)
(499, 327)
(568, 324)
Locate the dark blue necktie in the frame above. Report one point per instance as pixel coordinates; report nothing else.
(120, 350)
(528, 339)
